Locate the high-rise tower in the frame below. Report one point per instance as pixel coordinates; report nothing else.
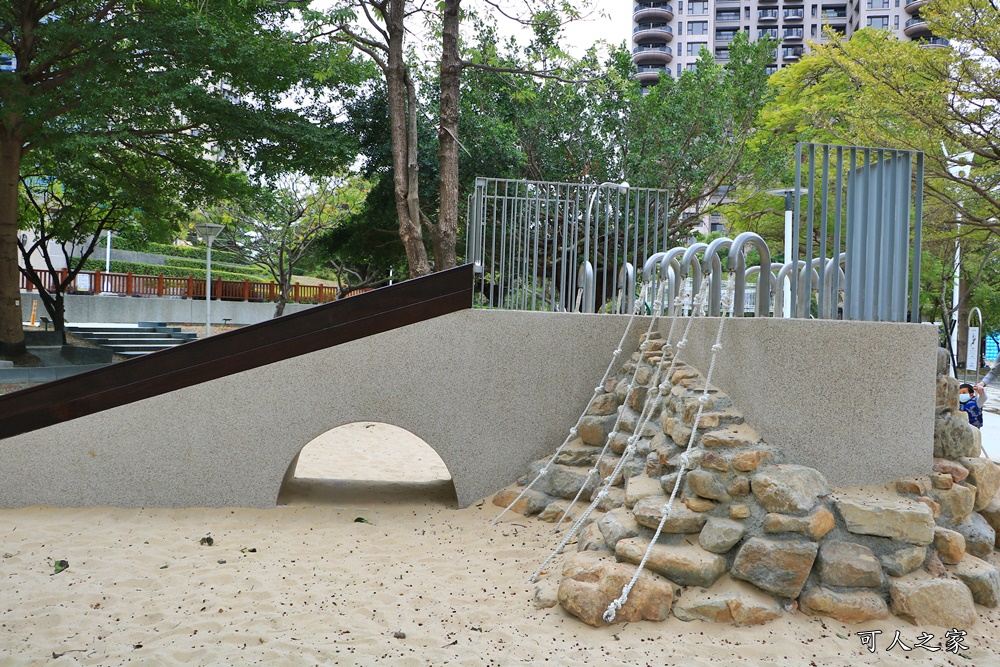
(668, 36)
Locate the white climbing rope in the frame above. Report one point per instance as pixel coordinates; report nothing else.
(631, 386)
(626, 455)
(612, 610)
(612, 366)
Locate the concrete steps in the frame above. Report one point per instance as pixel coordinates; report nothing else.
(132, 340)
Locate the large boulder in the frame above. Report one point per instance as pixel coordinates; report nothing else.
(982, 579)
(985, 476)
(849, 564)
(903, 561)
(728, 601)
(683, 564)
(979, 535)
(886, 516)
(564, 481)
(594, 429)
(531, 502)
(617, 525)
(814, 526)
(587, 594)
(955, 437)
(708, 484)
(924, 600)
(846, 607)
(777, 566)
(992, 514)
(649, 512)
(956, 503)
(788, 489)
(720, 535)
(949, 544)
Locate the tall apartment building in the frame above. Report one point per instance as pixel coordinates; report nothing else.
(668, 36)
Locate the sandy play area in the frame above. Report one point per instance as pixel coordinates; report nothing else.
(419, 582)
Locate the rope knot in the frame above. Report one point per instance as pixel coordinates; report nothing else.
(717, 348)
(704, 399)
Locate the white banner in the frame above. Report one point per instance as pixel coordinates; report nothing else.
(972, 350)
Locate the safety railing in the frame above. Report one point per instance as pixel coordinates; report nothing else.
(130, 284)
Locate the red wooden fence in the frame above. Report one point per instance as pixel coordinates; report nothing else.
(129, 284)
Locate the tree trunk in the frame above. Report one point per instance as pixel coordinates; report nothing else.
(403, 120)
(11, 331)
(445, 232)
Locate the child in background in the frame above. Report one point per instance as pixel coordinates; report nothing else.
(968, 402)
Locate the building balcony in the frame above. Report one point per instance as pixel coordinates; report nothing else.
(725, 37)
(767, 15)
(794, 14)
(727, 17)
(935, 43)
(791, 36)
(652, 55)
(653, 11)
(652, 33)
(913, 6)
(791, 54)
(649, 75)
(916, 27)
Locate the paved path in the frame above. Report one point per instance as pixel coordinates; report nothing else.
(991, 423)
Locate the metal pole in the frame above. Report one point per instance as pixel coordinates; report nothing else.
(786, 304)
(208, 290)
(107, 255)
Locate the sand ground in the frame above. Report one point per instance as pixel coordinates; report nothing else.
(420, 583)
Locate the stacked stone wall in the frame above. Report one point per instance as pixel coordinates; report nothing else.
(750, 534)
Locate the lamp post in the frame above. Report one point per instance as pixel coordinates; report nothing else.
(622, 189)
(208, 231)
(789, 195)
(960, 167)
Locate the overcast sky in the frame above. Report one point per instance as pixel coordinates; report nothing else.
(615, 26)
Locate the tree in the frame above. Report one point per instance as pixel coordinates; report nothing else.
(278, 228)
(159, 85)
(72, 214)
(691, 135)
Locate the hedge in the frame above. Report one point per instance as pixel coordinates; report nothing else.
(250, 271)
(169, 271)
(193, 253)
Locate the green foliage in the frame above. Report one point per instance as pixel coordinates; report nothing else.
(138, 269)
(252, 272)
(193, 252)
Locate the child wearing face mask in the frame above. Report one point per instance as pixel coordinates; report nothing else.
(969, 403)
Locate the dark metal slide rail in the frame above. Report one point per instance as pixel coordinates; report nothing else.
(239, 350)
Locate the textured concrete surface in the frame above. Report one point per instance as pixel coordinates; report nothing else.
(489, 391)
(129, 309)
(854, 400)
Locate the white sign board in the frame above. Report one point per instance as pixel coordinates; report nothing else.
(82, 282)
(972, 350)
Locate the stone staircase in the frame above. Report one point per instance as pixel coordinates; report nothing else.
(132, 340)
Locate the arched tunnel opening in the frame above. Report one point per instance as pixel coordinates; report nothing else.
(367, 462)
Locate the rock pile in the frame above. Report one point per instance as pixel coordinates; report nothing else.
(751, 534)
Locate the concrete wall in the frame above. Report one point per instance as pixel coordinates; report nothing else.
(853, 399)
(489, 391)
(130, 309)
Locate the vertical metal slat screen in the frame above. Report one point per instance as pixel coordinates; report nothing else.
(863, 212)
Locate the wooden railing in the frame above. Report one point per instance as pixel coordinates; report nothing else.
(131, 284)
(235, 351)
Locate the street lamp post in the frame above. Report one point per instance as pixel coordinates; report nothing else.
(622, 188)
(789, 195)
(208, 231)
(960, 167)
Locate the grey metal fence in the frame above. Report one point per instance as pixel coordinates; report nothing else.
(540, 245)
(859, 202)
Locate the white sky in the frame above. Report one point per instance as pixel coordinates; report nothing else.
(614, 26)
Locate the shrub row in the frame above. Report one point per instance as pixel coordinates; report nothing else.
(252, 272)
(193, 252)
(169, 271)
